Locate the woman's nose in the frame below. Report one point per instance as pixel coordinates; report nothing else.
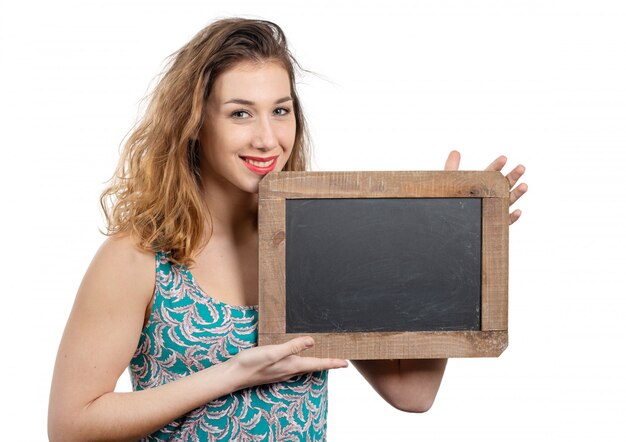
(264, 135)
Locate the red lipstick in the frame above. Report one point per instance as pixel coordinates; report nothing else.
(259, 169)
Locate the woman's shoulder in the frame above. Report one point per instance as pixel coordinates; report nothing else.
(125, 248)
(123, 264)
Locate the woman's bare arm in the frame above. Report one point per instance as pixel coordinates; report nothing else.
(407, 384)
(100, 338)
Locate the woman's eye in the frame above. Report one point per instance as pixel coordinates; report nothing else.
(240, 114)
(282, 111)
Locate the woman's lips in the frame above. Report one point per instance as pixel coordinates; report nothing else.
(260, 170)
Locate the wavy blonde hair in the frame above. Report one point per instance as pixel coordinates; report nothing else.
(155, 192)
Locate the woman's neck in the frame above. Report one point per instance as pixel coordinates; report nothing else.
(233, 213)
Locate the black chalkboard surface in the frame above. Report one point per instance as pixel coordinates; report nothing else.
(384, 264)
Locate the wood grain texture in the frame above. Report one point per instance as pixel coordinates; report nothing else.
(491, 187)
(495, 258)
(403, 345)
(384, 184)
(272, 265)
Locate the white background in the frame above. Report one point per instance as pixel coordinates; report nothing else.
(399, 85)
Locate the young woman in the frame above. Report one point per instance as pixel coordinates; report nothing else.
(172, 292)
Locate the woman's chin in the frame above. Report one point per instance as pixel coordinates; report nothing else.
(251, 185)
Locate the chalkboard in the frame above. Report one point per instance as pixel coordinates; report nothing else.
(403, 264)
(385, 265)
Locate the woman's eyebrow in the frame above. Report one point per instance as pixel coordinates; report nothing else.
(251, 103)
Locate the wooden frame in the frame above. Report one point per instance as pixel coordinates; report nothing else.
(492, 187)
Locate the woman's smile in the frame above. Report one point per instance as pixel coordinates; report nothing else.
(258, 165)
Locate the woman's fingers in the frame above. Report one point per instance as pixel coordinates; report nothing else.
(307, 364)
(453, 161)
(517, 193)
(512, 177)
(497, 164)
(514, 216)
(303, 364)
(515, 174)
(295, 346)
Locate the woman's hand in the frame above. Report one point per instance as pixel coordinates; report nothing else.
(454, 159)
(275, 363)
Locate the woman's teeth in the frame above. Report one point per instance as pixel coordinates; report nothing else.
(258, 163)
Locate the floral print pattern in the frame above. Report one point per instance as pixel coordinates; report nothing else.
(188, 331)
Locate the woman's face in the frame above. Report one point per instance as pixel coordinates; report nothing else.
(249, 114)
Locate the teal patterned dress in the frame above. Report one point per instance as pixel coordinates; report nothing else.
(188, 331)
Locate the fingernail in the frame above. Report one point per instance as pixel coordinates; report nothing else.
(309, 343)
